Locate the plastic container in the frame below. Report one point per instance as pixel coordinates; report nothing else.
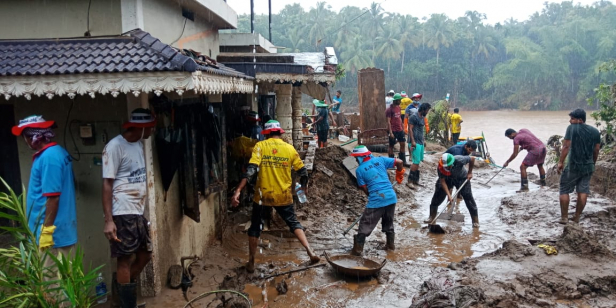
(355, 134)
(101, 289)
(343, 138)
(301, 194)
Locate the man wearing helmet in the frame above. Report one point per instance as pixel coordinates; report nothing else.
(412, 108)
(373, 180)
(451, 172)
(271, 163)
(395, 128)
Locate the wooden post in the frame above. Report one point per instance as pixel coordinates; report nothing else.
(371, 88)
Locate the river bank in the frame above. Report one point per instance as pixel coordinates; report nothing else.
(497, 260)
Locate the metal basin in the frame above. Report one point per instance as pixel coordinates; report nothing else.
(354, 266)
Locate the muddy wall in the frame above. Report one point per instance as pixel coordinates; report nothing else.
(58, 18)
(177, 235)
(604, 179)
(106, 114)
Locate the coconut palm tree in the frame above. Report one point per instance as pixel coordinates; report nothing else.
(357, 55)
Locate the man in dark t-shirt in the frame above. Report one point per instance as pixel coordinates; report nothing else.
(577, 163)
(416, 141)
(322, 122)
(396, 131)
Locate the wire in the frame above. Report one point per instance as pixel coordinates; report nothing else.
(88, 20)
(348, 22)
(217, 291)
(184, 27)
(67, 125)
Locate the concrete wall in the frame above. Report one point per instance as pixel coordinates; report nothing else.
(107, 114)
(198, 35)
(58, 18)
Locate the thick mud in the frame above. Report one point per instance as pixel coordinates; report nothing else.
(492, 266)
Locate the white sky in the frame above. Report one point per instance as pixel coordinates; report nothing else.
(496, 10)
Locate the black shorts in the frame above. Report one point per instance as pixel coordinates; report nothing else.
(322, 135)
(287, 212)
(398, 136)
(134, 234)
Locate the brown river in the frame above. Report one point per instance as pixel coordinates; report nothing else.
(493, 124)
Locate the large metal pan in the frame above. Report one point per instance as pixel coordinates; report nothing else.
(354, 266)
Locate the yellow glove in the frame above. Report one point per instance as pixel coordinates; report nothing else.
(46, 240)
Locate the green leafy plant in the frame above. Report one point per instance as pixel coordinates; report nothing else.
(605, 97)
(438, 118)
(25, 280)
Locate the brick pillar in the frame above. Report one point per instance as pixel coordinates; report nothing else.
(284, 110)
(296, 103)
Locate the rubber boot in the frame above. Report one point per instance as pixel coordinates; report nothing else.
(142, 304)
(411, 179)
(524, 186)
(475, 220)
(433, 211)
(358, 244)
(542, 180)
(115, 292)
(390, 241)
(128, 295)
(416, 182)
(402, 157)
(252, 250)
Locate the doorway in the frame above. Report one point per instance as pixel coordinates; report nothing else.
(9, 156)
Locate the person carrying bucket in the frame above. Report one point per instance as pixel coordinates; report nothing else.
(451, 172)
(373, 180)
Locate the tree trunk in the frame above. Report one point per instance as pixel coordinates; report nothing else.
(437, 68)
(402, 64)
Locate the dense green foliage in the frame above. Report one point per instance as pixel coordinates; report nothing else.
(605, 98)
(25, 281)
(548, 62)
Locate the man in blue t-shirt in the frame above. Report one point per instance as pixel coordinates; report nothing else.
(373, 180)
(463, 149)
(52, 214)
(337, 101)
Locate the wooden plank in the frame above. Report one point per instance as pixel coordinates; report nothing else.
(371, 93)
(325, 170)
(350, 163)
(309, 160)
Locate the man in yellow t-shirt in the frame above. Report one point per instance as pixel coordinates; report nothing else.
(405, 102)
(456, 125)
(272, 161)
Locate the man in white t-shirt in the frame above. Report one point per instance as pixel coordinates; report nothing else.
(124, 200)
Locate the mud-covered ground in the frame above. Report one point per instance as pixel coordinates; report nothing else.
(493, 266)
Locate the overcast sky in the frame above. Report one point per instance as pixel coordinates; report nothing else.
(496, 10)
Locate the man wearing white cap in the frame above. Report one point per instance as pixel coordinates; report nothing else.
(52, 215)
(124, 200)
(271, 162)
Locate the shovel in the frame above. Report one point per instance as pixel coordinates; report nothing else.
(486, 183)
(436, 228)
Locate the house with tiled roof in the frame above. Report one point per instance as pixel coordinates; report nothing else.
(86, 65)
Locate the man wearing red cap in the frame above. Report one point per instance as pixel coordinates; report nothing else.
(124, 200)
(271, 162)
(52, 215)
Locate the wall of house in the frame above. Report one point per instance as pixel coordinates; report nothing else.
(58, 18)
(107, 115)
(198, 35)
